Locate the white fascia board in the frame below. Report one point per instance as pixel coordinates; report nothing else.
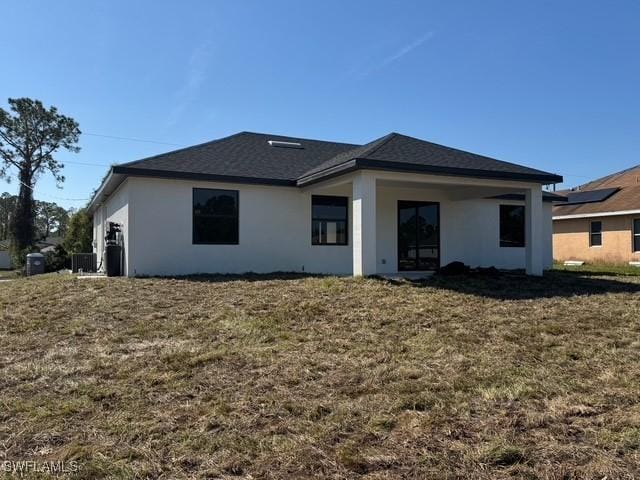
(108, 186)
(599, 214)
(97, 196)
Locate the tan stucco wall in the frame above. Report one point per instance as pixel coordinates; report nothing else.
(571, 240)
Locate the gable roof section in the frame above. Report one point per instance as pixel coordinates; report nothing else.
(398, 152)
(623, 190)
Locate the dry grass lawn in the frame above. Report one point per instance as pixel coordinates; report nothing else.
(295, 377)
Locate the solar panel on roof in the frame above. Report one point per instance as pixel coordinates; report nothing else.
(590, 196)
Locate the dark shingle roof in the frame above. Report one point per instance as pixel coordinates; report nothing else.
(401, 152)
(244, 155)
(363, 151)
(249, 157)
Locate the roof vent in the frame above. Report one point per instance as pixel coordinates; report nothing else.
(278, 143)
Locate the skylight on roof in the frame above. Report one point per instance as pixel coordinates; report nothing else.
(278, 143)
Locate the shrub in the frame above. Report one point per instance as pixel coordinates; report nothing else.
(56, 260)
(79, 235)
(19, 257)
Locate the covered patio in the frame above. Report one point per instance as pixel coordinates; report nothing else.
(406, 224)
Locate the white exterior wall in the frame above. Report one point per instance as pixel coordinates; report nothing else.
(547, 234)
(275, 230)
(469, 230)
(114, 209)
(5, 259)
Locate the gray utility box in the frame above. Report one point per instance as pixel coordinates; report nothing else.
(113, 260)
(35, 264)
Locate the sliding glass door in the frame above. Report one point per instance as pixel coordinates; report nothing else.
(418, 235)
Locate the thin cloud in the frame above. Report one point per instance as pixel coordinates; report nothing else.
(196, 74)
(404, 50)
(385, 62)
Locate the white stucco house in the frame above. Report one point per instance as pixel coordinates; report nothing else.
(5, 255)
(264, 203)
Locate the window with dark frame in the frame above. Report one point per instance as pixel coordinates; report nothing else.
(512, 226)
(215, 217)
(636, 235)
(595, 234)
(329, 220)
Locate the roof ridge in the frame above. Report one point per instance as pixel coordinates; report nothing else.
(382, 142)
(300, 138)
(349, 155)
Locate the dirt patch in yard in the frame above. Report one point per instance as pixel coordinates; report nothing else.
(300, 377)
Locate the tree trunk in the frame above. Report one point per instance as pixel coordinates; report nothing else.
(22, 225)
(4, 221)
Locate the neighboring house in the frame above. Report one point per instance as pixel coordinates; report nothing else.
(49, 244)
(45, 245)
(601, 220)
(5, 256)
(262, 203)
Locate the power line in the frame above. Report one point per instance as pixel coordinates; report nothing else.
(572, 175)
(116, 137)
(132, 139)
(54, 196)
(86, 164)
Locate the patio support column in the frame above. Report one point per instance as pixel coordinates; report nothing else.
(533, 229)
(364, 224)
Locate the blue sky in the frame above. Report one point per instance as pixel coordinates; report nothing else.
(550, 84)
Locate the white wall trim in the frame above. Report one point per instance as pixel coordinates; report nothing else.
(599, 214)
(533, 231)
(364, 224)
(458, 181)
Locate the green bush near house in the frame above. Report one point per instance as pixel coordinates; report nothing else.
(79, 235)
(56, 260)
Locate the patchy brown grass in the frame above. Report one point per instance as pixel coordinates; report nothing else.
(298, 377)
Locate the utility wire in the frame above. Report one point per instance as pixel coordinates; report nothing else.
(71, 162)
(86, 164)
(54, 196)
(572, 175)
(132, 139)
